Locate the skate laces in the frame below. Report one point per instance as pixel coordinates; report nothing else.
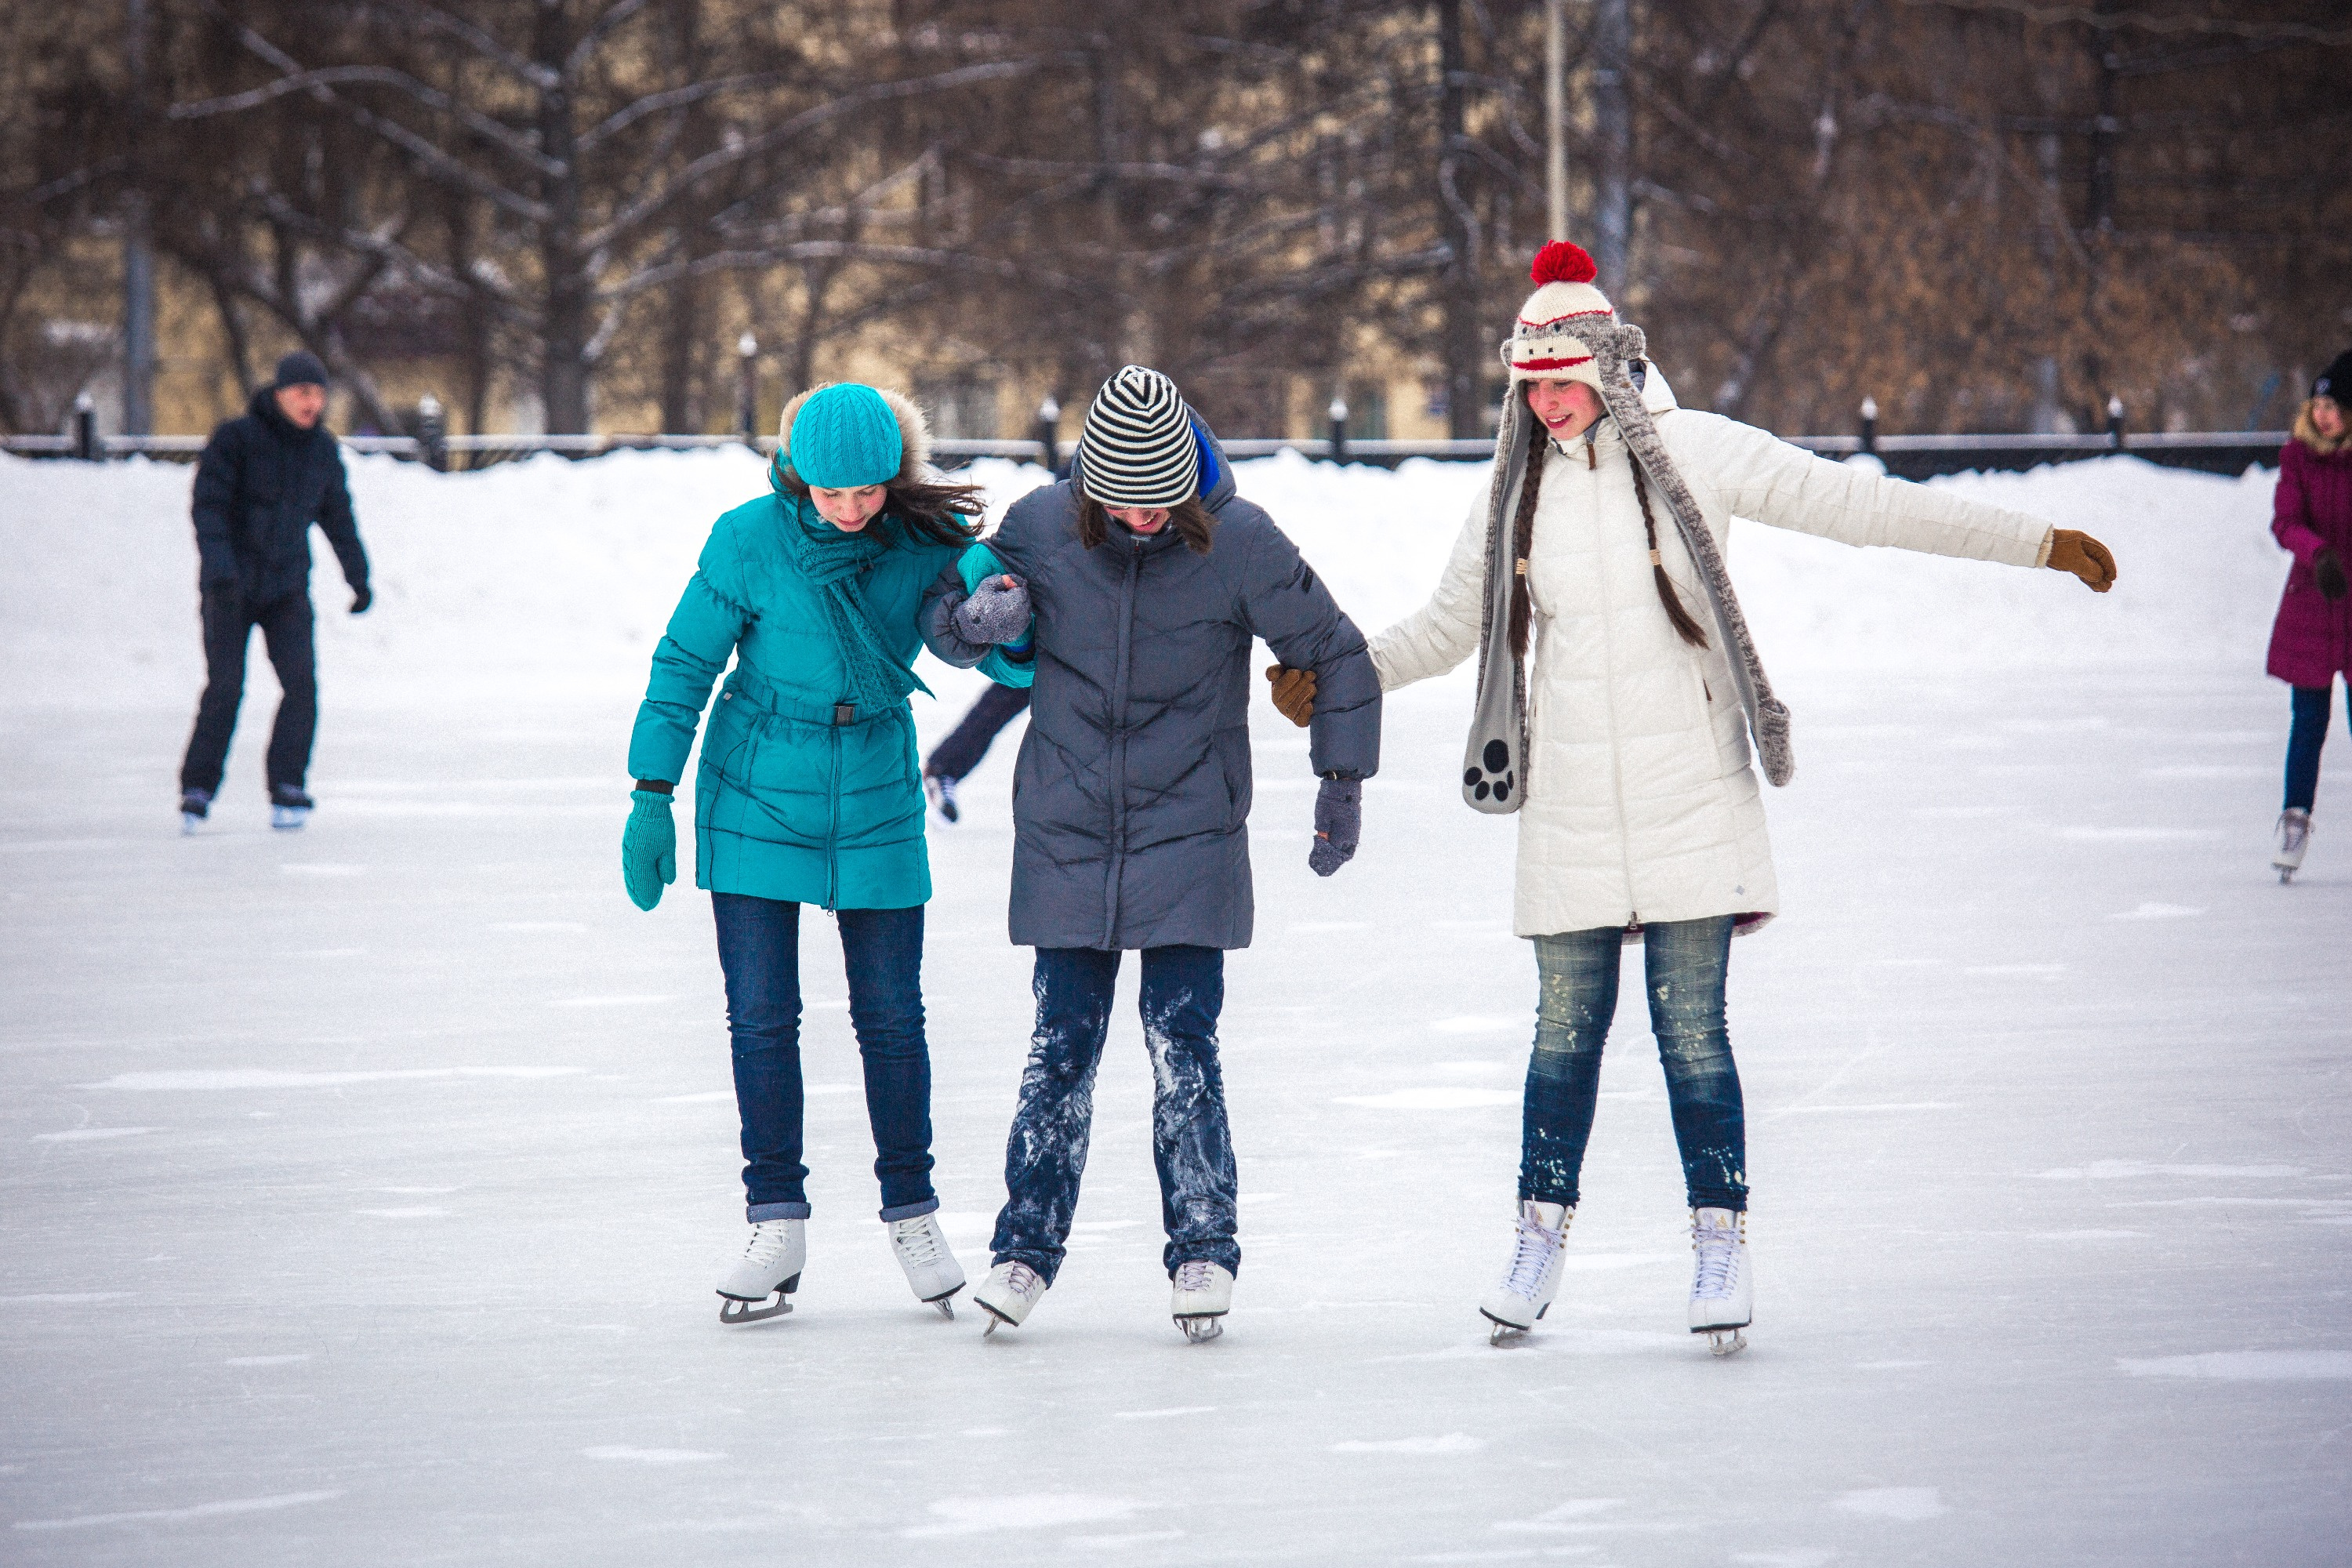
(918, 1243)
(1718, 1258)
(2293, 829)
(769, 1239)
(1193, 1276)
(1022, 1281)
(1530, 1258)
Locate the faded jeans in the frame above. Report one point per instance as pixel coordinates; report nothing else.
(1683, 964)
(882, 951)
(1184, 992)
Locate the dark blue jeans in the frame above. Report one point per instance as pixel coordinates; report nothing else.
(2302, 744)
(1684, 961)
(969, 741)
(760, 948)
(1184, 992)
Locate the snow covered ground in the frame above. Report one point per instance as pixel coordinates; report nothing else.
(360, 1190)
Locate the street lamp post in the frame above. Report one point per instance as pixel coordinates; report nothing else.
(747, 389)
(1556, 113)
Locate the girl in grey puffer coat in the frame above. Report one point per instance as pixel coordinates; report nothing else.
(1128, 594)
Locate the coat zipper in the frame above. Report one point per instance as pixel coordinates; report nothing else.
(1616, 749)
(1120, 673)
(833, 829)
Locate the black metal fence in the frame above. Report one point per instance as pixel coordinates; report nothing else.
(1909, 457)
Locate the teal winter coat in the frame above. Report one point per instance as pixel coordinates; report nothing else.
(798, 795)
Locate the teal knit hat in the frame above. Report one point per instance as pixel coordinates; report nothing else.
(843, 437)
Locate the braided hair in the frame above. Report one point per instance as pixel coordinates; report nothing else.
(1523, 529)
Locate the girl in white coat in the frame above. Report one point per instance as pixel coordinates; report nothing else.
(1626, 752)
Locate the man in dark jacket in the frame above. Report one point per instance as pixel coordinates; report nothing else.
(1148, 577)
(264, 479)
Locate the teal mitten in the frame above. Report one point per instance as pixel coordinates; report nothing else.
(648, 848)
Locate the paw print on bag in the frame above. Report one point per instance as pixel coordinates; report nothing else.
(1494, 780)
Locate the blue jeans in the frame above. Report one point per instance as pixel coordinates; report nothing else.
(1184, 992)
(760, 948)
(2302, 744)
(1684, 963)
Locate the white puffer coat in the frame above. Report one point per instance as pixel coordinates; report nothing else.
(1642, 805)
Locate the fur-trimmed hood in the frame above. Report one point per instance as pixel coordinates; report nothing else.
(914, 435)
(2307, 432)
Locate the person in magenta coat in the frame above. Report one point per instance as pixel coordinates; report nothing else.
(2310, 641)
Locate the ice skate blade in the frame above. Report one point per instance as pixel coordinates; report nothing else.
(1200, 1331)
(1724, 1341)
(2286, 876)
(946, 1307)
(736, 1310)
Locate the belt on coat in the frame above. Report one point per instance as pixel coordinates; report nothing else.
(749, 686)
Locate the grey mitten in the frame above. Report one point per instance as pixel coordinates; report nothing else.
(1339, 823)
(997, 611)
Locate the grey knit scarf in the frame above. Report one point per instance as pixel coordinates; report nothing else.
(1494, 763)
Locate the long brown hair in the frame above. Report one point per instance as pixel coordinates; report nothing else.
(1193, 524)
(1523, 533)
(932, 510)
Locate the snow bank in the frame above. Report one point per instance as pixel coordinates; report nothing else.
(553, 579)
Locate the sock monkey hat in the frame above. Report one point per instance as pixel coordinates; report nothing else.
(1545, 345)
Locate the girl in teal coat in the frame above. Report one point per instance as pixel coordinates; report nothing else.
(808, 792)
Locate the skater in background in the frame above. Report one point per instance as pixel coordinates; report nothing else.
(265, 478)
(1624, 748)
(808, 793)
(2310, 641)
(1129, 595)
(954, 758)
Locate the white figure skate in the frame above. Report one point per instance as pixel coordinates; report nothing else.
(1205, 1294)
(1722, 1300)
(932, 1271)
(770, 1267)
(1531, 1278)
(2294, 837)
(1007, 1295)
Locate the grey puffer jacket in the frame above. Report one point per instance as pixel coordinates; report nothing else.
(1131, 799)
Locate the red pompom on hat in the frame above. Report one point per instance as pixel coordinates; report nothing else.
(1561, 262)
(1544, 345)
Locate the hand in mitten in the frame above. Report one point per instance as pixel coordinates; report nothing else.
(2084, 556)
(1294, 693)
(1339, 823)
(2327, 568)
(362, 597)
(997, 611)
(648, 848)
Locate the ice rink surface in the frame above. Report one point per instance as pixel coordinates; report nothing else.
(360, 1189)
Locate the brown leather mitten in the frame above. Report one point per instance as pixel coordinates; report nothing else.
(2085, 557)
(1294, 693)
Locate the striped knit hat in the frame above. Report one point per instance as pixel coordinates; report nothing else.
(1138, 448)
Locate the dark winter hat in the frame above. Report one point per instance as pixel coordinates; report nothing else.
(2336, 381)
(1137, 449)
(300, 368)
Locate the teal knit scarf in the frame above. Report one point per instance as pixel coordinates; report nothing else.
(831, 561)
